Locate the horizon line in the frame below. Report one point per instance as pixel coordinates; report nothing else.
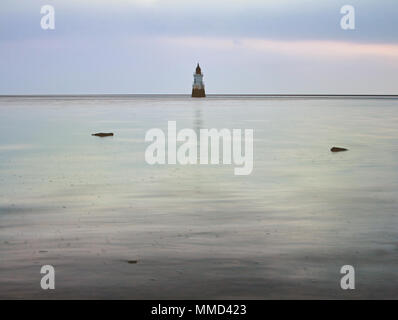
(210, 94)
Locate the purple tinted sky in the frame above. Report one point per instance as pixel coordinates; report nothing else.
(152, 46)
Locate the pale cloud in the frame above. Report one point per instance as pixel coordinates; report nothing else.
(304, 47)
(15, 147)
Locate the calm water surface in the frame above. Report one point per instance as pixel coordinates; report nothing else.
(87, 205)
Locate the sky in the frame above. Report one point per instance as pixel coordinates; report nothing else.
(243, 46)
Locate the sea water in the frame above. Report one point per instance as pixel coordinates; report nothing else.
(88, 205)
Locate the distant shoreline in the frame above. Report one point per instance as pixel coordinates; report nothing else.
(272, 96)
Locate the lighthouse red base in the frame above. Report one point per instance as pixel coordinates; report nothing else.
(198, 93)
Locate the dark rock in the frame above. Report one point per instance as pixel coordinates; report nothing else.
(103, 134)
(338, 149)
(132, 261)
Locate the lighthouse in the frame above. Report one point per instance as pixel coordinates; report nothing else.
(198, 87)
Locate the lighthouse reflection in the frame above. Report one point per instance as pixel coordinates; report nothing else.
(197, 125)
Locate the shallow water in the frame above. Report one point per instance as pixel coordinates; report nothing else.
(87, 205)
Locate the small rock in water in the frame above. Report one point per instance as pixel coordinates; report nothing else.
(103, 134)
(338, 149)
(132, 261)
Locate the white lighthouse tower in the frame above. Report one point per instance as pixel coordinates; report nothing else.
(198, 87)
